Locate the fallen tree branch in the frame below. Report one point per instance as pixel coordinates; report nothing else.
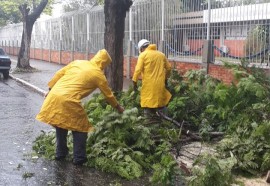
(194, 136)
(186, 132)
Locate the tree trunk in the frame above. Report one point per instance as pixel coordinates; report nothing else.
(24, 53)
(28, 23)
(115, 13)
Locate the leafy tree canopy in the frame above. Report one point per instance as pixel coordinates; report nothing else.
(10, 13)
(73, 5)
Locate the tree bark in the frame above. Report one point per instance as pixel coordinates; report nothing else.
(28, 23)
(115, 13)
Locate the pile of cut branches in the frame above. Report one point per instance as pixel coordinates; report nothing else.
(201, 108)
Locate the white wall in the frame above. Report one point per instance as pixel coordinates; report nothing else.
(239, 13)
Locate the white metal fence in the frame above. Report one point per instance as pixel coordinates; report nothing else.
(238, 28)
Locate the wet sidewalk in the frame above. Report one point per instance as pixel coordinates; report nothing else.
(39, 79)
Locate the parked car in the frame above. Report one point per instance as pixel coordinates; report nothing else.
(5, 63)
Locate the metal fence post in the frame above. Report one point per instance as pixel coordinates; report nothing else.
(34, 42)
(50, 42)
(60, 42)
(129, 49)
(162, 42)
(13, 43)
(42, 49)
(208, 53)
(9, 46)
(34, 48)
(13, 47)
(87, 35)
(73, 38)
(17, 49)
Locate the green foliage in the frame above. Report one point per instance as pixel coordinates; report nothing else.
(240, 110)
(97, 105)
(75, 5)
(196, 99)
(48, 9)
(250, 145)
(10, 13)
(127, 145)
(208, 103)
(28, 175)
(165, 170)
(130, 98)
(123, 144)
(214, 172)
(247, 137)
(257, 40)
(114, 140)
(45, 144)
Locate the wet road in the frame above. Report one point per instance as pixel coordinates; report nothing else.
(18, 129)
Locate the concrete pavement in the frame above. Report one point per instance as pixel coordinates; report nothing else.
(37, 81)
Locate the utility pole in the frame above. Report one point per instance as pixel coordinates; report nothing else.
(208, 50)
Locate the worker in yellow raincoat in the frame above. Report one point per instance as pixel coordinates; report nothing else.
(62, 106)
(154, 69)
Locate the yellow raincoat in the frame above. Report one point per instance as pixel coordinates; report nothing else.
(154, 68)
(62, 107)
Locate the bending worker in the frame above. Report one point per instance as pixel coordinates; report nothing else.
(154, 68)
(62, 106)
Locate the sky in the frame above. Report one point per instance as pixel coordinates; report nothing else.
(57, 10)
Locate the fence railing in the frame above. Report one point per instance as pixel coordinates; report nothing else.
(239, 30)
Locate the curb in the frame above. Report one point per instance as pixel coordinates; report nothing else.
(25, 83)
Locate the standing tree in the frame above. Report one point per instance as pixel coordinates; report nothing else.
(9, 13)
(115, 13)
(26, 11)
(28, 19)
